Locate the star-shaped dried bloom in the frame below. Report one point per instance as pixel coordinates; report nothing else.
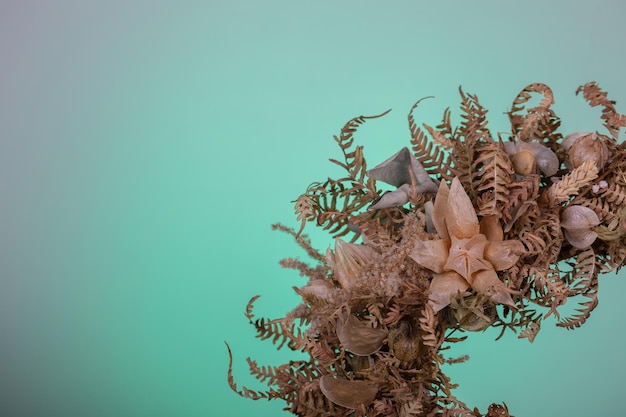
(468, 253)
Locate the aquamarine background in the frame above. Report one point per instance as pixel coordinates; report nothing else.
(147, 146)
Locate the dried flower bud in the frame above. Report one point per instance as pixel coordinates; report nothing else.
(578, 223)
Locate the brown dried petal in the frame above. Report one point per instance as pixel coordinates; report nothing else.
(443, 287)
(346, 393)
(357, 336)
(503, 255)
(487, 282)
(431, 254)
(439, 210)
(460, 215)
(467, 256)
(491, 228)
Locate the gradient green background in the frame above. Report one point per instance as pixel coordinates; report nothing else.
(146, 147)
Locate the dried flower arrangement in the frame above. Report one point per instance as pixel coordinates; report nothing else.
(479, 231)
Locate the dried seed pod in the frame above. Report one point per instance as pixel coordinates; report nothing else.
(544, 158)
(524, 162)
(578, 223)
(473, 318)
(357, 336)
(404, 340)
(346, 393)
(584, 146)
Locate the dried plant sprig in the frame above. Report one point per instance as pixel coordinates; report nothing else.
(571, 183)
(479, 233)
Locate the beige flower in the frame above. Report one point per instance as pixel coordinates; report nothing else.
(468, 253)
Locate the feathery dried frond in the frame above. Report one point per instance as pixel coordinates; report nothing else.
(493, 177)
(613, 121)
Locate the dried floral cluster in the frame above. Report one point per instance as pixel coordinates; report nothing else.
(478, 231)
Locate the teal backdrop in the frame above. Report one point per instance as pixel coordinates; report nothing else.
(147, 146)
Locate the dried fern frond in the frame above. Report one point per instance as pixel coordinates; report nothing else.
(353, 156)
(531, 331)
(584, 312)
(431, 154)
(584, 272)
(493, 178)
(536, 123)
(613, 121)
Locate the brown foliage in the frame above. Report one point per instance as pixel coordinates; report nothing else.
(376, 287)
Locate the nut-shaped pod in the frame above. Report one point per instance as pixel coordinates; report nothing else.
(578, 223)
(346, 393)
(584, 146)
(405, 341)
(524, 162)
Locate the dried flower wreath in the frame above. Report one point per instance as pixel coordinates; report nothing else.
(479, 232)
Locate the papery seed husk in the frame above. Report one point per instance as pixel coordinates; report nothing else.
(346, 393)
(580, 238)
(588, 148)
(404, 340)
(471, 321)
(578, 223)
(578, 217)
(570, 139)
(357, 336)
